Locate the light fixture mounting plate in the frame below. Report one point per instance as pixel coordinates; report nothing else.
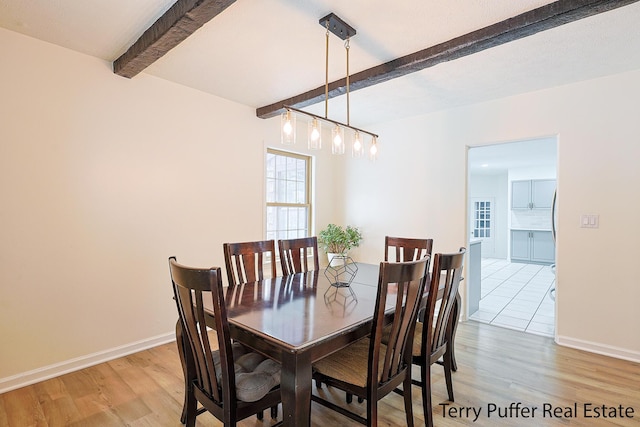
(337, 26)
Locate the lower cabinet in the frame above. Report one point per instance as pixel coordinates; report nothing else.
(475, 273)
(533, 246)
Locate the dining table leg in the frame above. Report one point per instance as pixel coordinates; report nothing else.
(295, 389)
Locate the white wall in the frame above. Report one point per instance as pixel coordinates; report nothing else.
(421, 175)
(103, 178)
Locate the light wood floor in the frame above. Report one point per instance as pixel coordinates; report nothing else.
(496, 367)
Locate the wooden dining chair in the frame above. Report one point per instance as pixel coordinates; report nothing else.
(432, 335)
(294, 257)
(406, 249)
(367, 368)
(231, 383)
(295, 254)
(402, 249)
(245, 261)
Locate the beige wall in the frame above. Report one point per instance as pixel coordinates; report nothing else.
(422, 175)
(101, 180)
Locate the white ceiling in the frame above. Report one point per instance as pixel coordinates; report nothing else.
(261, 52)
(493, 159)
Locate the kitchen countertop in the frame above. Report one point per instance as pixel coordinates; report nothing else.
(530, 229)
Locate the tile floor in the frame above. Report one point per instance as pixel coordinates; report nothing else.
(516, 296)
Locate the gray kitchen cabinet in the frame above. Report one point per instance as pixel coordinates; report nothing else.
(543, 249)
(542, 193)
(532, 193)
(520, 194)
(532, 246)
(474, 291)
(520, 245)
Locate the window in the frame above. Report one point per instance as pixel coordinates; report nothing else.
(288, 195)
(482, 219)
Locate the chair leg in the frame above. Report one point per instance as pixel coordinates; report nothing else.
(455, 316)
(450, 349)
(408, 404)
(274, 412)
(425, 376)
(372, 412)
(185, 360)
(191, 406)
(260, 415)
(448, 366)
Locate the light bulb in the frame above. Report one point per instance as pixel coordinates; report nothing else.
(373, 150)
(338, 140)
(287, 127)
(357, 147)
(314, 135)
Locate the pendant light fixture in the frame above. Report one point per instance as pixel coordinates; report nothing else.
(288, 123)
(314, 135)
(337, 26)
(357, 148)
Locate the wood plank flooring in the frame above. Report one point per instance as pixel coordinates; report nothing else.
(497, 369)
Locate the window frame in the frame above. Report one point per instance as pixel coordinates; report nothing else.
(308, 188)
(482, 218)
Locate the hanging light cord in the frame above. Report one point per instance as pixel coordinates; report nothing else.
(346, 48)
(326, 74)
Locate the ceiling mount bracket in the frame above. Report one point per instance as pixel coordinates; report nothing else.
(337, 26)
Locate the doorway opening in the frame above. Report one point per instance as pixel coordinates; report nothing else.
(511, 191)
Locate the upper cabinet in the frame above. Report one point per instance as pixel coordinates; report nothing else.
(542, 193)
(532, 194)
(521, 194)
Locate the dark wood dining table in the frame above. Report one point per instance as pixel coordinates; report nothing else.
(299, 319)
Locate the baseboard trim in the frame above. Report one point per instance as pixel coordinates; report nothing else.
(57, 369)
(605, 350)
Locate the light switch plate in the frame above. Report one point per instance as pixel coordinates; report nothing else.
(589, 221)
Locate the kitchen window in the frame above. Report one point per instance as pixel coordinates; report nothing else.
(482, 219)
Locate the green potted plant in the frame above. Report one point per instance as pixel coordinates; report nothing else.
(337, 241)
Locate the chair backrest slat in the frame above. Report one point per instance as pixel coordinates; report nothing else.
(407, 249)
(245, 261)
(294, 254)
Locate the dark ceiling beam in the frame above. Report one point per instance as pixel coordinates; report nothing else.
(534, 21)
(177, 23)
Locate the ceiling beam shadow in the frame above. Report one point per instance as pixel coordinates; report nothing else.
(177, 23)
(528, 23)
